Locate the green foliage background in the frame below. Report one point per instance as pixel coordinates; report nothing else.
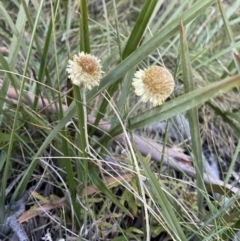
(197, 40)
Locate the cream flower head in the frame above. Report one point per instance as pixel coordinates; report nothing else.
(84, 69)
(154, 84)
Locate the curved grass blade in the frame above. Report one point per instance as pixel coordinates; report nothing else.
(131, 45)
(184, 103)
(181, 104)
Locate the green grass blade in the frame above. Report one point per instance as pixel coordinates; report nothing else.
(139, 27)
(8, 19)
(164, 34)
(13, 52)
(218, 55)
(11, 79)
(184, 103)
(134, 39)
(35, 159)
(20, 96)
(104, 189)
(228, 30)
(142, 52)
(167, 209)
(176, 106)
(193, 119)
(41, 72)
(66, 162)
(131, 45)
(117, 28)
(225, 116)
(226, 22)
(233, 162)
(39, 49)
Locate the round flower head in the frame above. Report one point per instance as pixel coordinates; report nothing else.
(154, 84)
(84, 69)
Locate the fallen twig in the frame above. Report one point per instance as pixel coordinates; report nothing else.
(12, 221)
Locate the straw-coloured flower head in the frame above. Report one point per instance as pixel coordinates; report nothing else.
(154, 84)
(84, 69)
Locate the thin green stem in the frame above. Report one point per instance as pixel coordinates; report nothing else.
(84, 32)
(82, 165)
(82, 145)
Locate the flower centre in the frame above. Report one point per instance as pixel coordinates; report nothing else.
(88, 65)
(154, 79)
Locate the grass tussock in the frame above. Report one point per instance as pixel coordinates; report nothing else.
(95, 162)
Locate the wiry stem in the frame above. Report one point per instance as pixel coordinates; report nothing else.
(85, 118)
